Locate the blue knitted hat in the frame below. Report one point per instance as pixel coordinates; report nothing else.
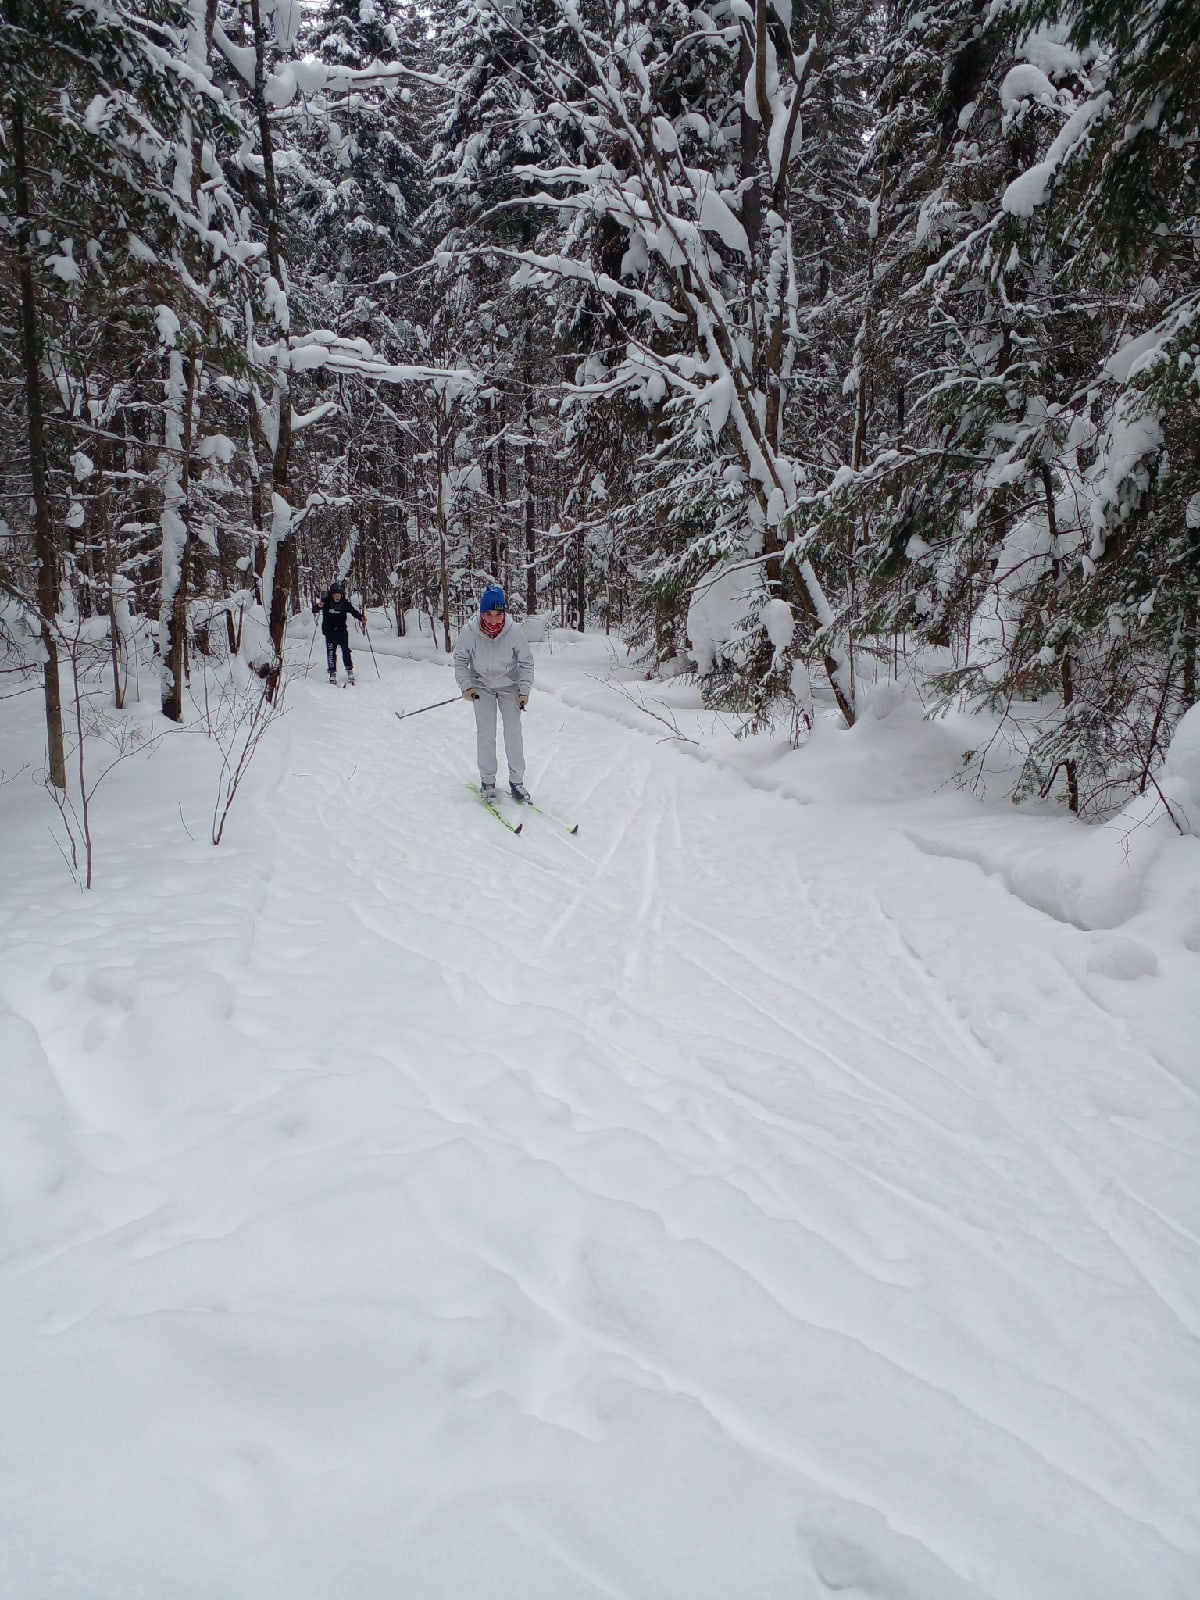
(493, 599)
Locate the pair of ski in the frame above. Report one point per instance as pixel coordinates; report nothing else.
(515, 827)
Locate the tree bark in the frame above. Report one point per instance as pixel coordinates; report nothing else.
(283, 572)
(43, 527)
(531, 594)
(1067, 670)
(443, 452)
(1189, 633)
(750, 138)
(174, 613)
(503, 555)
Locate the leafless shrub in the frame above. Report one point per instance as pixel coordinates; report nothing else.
(237, 719)
(92, 720)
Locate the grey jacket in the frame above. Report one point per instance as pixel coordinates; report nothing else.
(491, 664)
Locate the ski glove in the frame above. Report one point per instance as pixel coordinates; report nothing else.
(470, 694)
(523, 701)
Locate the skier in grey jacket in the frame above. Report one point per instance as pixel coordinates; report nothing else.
(494, 668)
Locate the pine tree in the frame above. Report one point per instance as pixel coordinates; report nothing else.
(662, 197)
(91, 101)
(1020, 521)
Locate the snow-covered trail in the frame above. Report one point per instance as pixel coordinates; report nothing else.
(743, 1199)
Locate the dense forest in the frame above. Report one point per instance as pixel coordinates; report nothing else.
(802, 346)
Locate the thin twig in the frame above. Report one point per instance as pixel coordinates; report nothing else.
(641, 706)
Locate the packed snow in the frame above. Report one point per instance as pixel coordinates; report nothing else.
(784, 1188)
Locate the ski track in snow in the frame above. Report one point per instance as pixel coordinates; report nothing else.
(720, 1203)
(1107, 1218)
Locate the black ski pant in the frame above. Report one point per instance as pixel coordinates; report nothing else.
(332, 640)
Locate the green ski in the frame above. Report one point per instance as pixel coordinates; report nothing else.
(513, 827)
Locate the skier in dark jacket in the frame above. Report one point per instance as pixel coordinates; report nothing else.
(334, 609)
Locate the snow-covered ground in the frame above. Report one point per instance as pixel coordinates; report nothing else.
(786, 1187)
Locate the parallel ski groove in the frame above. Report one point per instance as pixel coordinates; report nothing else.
(571, 827)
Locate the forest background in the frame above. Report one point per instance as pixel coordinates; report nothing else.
(803, 345)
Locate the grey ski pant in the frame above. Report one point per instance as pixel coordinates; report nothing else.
(485, 734)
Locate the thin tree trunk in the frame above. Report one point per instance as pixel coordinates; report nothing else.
(1156, 728)
(531, 595)
(1068, 671)
(1189, 632)
(443, 559)
(504, 555)
(116, 640)
(1068, 696)
(750, 139)
(114, 629)
(282, 565)
(493, 520)
(178, 541)
(43, 527)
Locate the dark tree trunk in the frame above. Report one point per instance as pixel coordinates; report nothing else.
(751, 137)
(503, 555)
(1189, 632)
(285, 577)
(443, 468)
(44, 546)
(1068, 671)
(176, 631)
(531, 594)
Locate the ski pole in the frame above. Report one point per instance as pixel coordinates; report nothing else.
(433, 707)
(370, 646)
(311, 642)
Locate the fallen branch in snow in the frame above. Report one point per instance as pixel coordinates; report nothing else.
(667, 722)
(1166, 805)
(973, 768)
